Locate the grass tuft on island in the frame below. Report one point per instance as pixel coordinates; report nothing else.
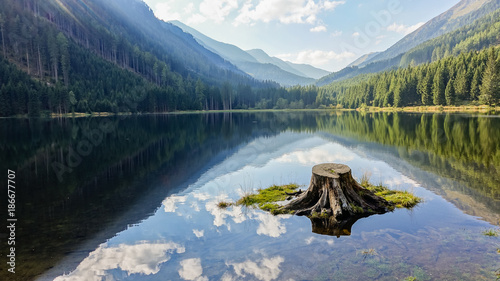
(266, 199)
(401, 199)
(491, 232)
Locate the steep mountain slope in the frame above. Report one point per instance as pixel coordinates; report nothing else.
(115, 55)
(263, 57)
(227, 51)
(308, 70)
(363, 58)
(353, 71)
(261, 67)
(482, 31)
(132, 16)
(463, 13)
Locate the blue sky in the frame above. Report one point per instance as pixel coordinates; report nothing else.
(326, 34)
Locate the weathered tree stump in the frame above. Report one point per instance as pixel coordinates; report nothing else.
(335, 198)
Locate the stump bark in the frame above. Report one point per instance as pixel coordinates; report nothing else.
(335, 197)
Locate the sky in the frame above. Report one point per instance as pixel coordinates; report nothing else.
(326, 34)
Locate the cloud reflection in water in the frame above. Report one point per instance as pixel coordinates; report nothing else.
(103, 263)
(266, 269)
(191, 270)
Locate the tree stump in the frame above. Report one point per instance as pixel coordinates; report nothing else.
(335, 198)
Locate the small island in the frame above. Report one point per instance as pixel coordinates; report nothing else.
(333, 202)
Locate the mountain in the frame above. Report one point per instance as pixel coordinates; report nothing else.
(463, 13)
(482, 33)
(456, 30)
(298, 69)
(256, 62)
(353, 71)
(263, 57)
(227, 51)
(114, 56)
(362, 59)
(308, 70)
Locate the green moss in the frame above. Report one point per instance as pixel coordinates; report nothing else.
(224, 205)
(265, 198)
(356, 209)
(401, 199)
(410, 278)
(491, 233)
(316, 215)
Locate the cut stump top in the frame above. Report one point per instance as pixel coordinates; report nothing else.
(331, 170)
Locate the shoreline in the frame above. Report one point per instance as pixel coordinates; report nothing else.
(436, 109)
(473, 109)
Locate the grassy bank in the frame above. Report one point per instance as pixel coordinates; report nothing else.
(436, 109)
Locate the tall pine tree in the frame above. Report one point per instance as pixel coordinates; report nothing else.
(450, 93)
(439, 87)
(490, 89)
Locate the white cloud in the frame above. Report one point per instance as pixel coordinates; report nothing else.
(189, 8)
(314, 156)
(270, 225)
(142, 258)
(266, 269)
(218, 10)
(316, 57)
(170, 203)
(319, 28)
(199, 233)
(356, 34)
(165, 12)
(284, 11)
(403, 29)
(227, 277)
(220, 214)
(191, 270)
(202, 196)
(336, 33)
(195, 207)
(330, 5)
(196, 19)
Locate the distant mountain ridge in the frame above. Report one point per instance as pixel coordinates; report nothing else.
(256, 62)
(459, 16)
(363, 59)
(463, 13)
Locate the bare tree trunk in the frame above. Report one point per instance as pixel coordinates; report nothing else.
(28, 59)
(40, 63)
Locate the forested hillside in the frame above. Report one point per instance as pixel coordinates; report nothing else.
(462, 14)
(470, 25)
(481, 34)
(469, 77)
(95, 56)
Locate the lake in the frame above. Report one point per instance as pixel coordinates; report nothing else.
(135, 197)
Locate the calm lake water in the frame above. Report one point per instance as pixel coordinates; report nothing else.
(135, 198)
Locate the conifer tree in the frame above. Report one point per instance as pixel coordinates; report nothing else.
(475, 84)
(490, 88)
(424, 89)
(450, 93)
(439, 87)
(462, 84)
(63, 44)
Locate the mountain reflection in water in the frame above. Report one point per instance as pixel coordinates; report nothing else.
(143, 204)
